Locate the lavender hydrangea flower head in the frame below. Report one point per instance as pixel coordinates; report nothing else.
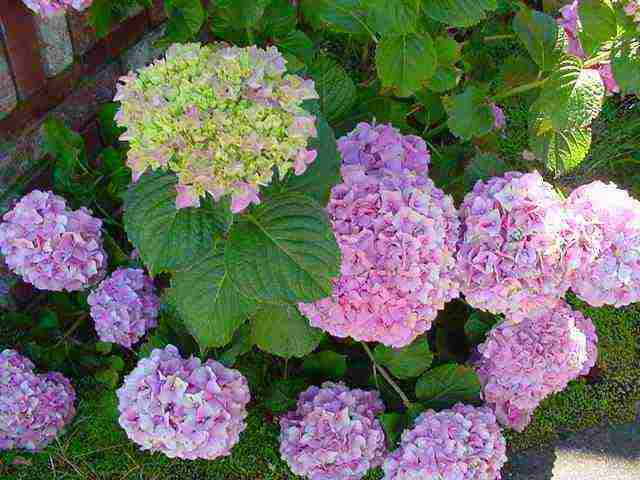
(50, 8)
(124, 307)
(397, 236)
(520, 365)
(463, 443)
(499, 119)
(570, 22)
(632, 9)
(333, 433)
(220, 117)
(183, 408)
(34, 408)
(510, 256)
(50, 246)
(382, 147)
(604, 251)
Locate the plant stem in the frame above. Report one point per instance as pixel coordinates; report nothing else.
(521, 89)
(286, 368)
(494, 38)
(72, 329)
(387, 377)
(436, 131)
(596, 60)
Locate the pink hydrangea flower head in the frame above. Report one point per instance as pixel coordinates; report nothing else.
(462, 443)
(183, 408)
(511, 249)
(398, 238)
(50, 246)
(499, 119)
(632, 9)
(34, 408)
(333, 433)
(50, 8)
(382, 147)
(124, 306)
(222, 118)
(520, 365)
(604, 251)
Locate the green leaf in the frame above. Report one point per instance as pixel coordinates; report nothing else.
(316, 182)
(296, 43)
(169, 239)
(433, 109)
(458, 13)
(109, 130)
(393, 425)
(239, 14)
(240, 344)
(279, 19)
(483, 167)
(542, 37)
(325, 365)
(392, 17)
(573, 96)
(342, 16)
(469, 113)
(406, 62)
(336, 89)
(48, 320)
(448, 384)
(113, 167)
(281, 330)
(561, 150)
(209, 304)
(447, 74)
(478, 326)
(63, 144)
(108, 377)
(599, 24)
(407, 362)
(104, 347)
(101, 17)
(116, 363)
(282, 395)
(625, 64)
(185, 19)
(283, 251)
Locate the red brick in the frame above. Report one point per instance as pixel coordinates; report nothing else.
(127, 34)
(83, 35)
(156, 12)
(21, 40)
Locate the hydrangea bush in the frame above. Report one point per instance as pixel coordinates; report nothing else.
(510, 256)
(221, 117)
(464, 442)
(34, 408)
(520, 365)
(184, 408)
(333, 434)
(124, 306)
(50, 8)
(50, 246)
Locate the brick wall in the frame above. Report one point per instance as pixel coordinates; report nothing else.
(58, 67)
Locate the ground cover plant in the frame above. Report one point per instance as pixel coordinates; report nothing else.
(336, 239)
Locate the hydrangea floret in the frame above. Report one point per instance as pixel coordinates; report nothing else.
(383, 148)
(499, 119)
(520, 365)
(632, 9)
(604, 251)
(462, 443)
(333, 433)
(50, 8)
(510, 257)
(34, 408)
(124, 306)
(50, 246)
(183, 408)
(397, 236)
(570, 22)
(221, 117)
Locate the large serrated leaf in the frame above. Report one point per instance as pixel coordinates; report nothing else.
(185, 18)
(406, 362)
(458, 13)
(343, 16)
(483, 167)
(209, 305)
(448, 384)
(599, 24)
(166, 238)
(281, 330)
(573, 96)
(405, 62)
(541, 36)
(334, 86)
(625, 64)
(392, 17)
(469, 113)
(283, 251)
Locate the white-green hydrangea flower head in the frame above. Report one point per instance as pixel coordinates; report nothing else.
(221, 117)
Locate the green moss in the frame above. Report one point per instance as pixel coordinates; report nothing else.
(610, 393)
